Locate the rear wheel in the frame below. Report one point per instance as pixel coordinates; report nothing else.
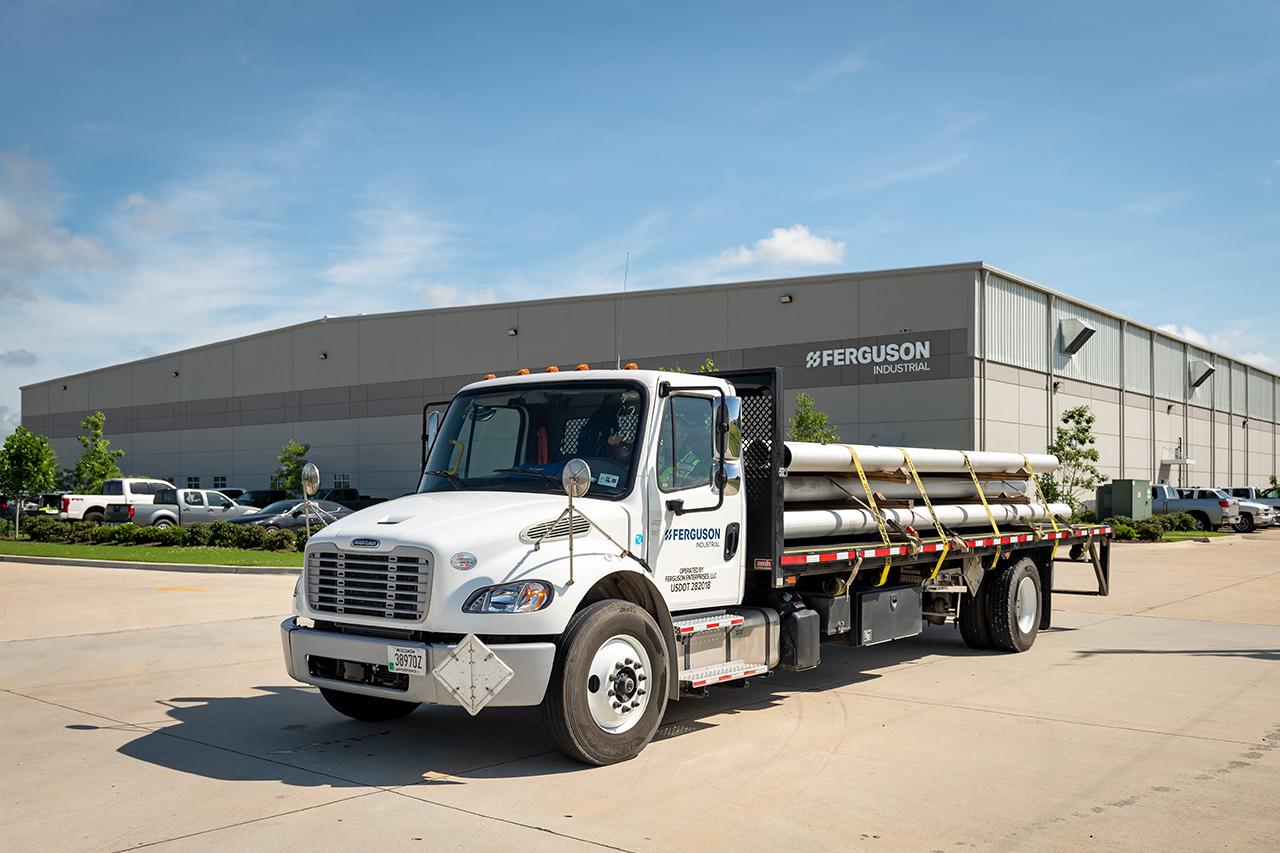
(163, 523)
(94, 517)
(370, 709)
(975, 627)
(608, 687)
(1202, 521)
(1014, 606)
(1245, 524)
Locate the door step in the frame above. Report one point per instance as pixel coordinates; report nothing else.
(720, 672)
(705, 622)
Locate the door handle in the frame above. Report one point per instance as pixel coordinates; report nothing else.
(731, 535)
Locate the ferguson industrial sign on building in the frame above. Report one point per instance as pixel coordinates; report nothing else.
(964, 356)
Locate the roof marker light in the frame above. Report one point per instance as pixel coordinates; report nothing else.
(490, 376)
(582, 367)
(553, 369)
(632, 366)
(524, 371)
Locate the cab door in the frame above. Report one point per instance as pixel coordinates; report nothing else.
(192, 508)
(695, 533)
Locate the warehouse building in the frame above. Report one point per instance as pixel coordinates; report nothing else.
(958, 356)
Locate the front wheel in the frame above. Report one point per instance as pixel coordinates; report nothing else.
(271, 528)
(608, 687)
(370, 709)
(1013, 606)
(1245, 524)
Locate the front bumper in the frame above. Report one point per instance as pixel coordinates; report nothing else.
(531, 663)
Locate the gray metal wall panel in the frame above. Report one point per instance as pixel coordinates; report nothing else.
(1222, 383)
(1098, 361)
(1017, 324)
(1171, 370)
(1239, 386)
(1137, 360)
(1261, 388)
(1202, 396)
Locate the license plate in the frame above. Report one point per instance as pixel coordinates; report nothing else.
(406, 659)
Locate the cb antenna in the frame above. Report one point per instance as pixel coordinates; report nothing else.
(623, 312)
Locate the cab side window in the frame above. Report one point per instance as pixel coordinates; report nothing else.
(193, 499)
(218, 499)
(685, 449)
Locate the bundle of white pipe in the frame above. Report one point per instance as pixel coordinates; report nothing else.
(940, 488)
(804, 457)
(803, 524)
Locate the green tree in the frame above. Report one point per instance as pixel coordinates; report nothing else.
(28, 466)
(292, 458)
(809, 424)
(1077, 472)
(97, 461)
(708, 366)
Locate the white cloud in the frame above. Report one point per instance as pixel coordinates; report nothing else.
(448, 295)
(845, 65)
(402, 247)
(1158, 204)
(10, 420)
(147, 215)
(15, 290)
(1234, 343)
(17, 358)
(30, 239)
(793, 246)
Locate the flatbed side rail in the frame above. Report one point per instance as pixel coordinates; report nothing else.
(1094, 539)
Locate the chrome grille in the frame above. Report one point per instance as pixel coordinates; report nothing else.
(379, 586)
(561, 531)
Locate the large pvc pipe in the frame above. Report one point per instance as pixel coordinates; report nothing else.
(940, 489)
(804, 524)
(805, 457)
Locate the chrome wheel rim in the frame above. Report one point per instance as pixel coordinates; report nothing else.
(618, 684)
(1026, 604)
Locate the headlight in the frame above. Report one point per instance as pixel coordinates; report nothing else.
(521, 597)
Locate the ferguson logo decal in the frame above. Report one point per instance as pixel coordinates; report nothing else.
(907, 357)
(702, 537)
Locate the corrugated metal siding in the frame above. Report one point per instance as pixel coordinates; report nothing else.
(1098, 361)
(1017, 324)
(1137, 360)
(1222, 383)
(1239, 382)
(1171, 371)
(1202, 396)
(1261, 387)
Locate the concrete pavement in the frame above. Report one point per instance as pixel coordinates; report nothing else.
(144, 709)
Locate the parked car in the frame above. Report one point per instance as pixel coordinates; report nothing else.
(183, 507)
(31, 506)
(350, 498)
(1254, 516)
(290, 515)
(129, 490)
(260, 498)
(1270, 497)
(1209, 507)
(234, 494)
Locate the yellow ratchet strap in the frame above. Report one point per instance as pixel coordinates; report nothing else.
(983, 497)
(1044, 503)
(875, 511)
(946, 543)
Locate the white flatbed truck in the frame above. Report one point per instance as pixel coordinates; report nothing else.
(662, 571)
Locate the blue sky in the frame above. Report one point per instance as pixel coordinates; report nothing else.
(173, 174)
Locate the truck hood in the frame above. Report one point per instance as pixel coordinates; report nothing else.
(485, 524)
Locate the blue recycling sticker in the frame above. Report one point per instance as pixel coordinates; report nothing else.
(639, 538)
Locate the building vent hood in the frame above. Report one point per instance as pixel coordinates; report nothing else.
(1074, 334)
(1199, 372)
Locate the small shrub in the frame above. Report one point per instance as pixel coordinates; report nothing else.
(99, 535)
(1124, 531)
(126, 534)
(198, 535)
(1149, 530)
(148, 534)
(223, 534)
(301, 534)
(6, 528)
(250, 536)
(45, 529)
(171, 537)
(281, 540)
(81, 531)
(1117, 520)
(1087, 516)
(1181, 521)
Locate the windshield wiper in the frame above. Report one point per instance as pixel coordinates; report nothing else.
(530, 471)
(454, 478)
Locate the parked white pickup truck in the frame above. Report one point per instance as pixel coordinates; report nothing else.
(124, 491)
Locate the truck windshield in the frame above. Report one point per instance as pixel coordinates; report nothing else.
(518, 439)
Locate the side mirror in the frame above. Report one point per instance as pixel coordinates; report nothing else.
(433, 427)
(729, 428)
(297, 513)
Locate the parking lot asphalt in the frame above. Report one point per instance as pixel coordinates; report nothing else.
(151, 710)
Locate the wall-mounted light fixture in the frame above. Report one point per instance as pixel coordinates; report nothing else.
(1057, 386)
(64, 387)
(175, 373)
(511, 333)
(785, 300)
(1245, 422)
(1168, 409)
(323, 356)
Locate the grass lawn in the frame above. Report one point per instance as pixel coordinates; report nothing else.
(153, 554)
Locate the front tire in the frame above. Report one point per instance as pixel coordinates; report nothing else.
(608, 689)
(370, 709)
(1245, 524)
(1014, 606)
